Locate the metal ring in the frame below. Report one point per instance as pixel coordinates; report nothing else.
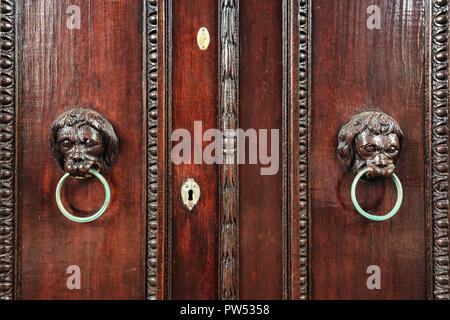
(83, 219)
(371, 216)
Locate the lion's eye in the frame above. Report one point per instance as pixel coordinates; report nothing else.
(392, 149)
(90, 142)
(370, 148)
(66, 143)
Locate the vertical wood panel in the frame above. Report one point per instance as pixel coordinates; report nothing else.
(354, 69)
(194, 234)
(261, 80)
(99, 65)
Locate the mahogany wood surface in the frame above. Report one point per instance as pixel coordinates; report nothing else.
(260, 108)
(304, 67)
(98, 65)
(194, 234)
(356, 69)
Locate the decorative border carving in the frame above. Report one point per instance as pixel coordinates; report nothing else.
(286, 42)
(7, 149)
(151, 15)
(439, 147)
(303, 141)
(229, 180)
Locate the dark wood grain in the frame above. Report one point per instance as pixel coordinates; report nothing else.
(194, 234)
(260, 201)
(100, 66)
(304, 67)
(356, 69)
(163, 170)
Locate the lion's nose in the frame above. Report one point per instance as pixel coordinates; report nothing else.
(77, 157)
(77, 154)
(382, 165)
(380, 162)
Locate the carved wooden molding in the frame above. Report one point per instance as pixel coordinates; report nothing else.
(439, 147)
(303, 89)
(229, 189)
(152, 56)
(7, 149)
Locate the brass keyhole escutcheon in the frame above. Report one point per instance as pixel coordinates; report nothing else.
(190, 193)
(203, 38)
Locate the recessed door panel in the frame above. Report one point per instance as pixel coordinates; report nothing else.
(98, 64)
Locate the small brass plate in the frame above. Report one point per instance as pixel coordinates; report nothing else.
(203, 38)
(190, 193)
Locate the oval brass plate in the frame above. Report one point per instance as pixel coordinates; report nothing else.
(203, 38)
(190, 193)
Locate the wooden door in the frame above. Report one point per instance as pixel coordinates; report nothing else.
(260, 207)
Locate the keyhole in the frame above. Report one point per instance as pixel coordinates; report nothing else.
(190, 193)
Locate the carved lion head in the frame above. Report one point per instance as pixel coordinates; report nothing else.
(370, 139)
(81, 139)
